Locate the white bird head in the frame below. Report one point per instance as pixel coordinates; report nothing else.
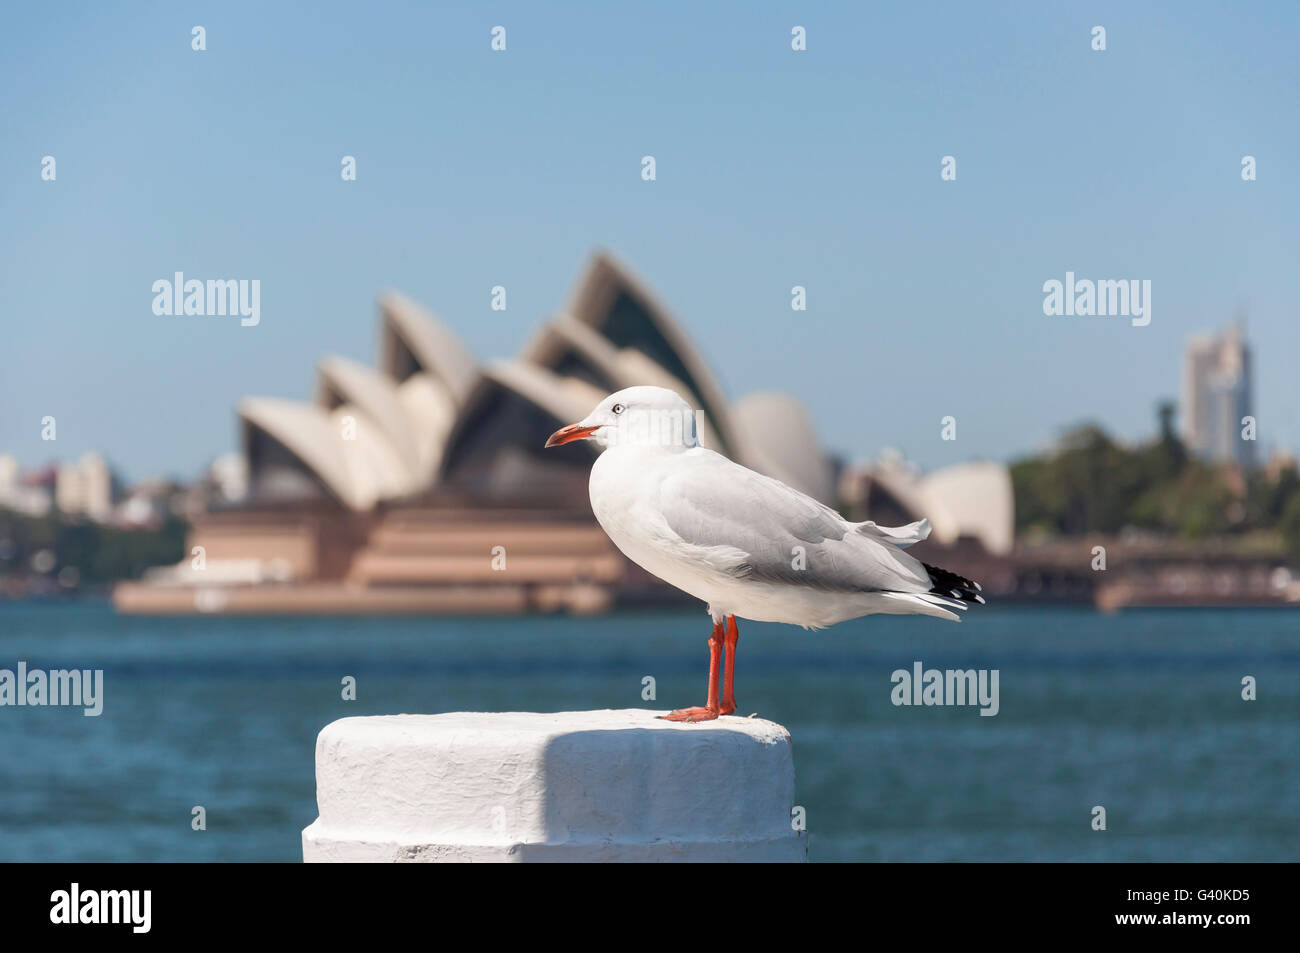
(635, 416)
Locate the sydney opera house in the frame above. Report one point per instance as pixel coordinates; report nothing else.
(421, 485)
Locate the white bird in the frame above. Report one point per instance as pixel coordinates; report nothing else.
(747, 545)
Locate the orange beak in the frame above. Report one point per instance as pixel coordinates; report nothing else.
(569, 434)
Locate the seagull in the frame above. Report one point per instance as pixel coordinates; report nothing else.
(745, 544)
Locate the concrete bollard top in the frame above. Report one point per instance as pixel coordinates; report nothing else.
(523, 786)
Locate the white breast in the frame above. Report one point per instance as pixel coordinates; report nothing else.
(623, 487)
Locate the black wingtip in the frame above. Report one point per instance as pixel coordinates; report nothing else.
(952, 586)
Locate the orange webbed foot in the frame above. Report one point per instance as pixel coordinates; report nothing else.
(698, 713)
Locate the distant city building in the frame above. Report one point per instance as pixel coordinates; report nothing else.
(148, 503)
(85, 488)
(18, 494)
(1216, 396)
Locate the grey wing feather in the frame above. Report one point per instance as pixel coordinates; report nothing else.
(782, 536)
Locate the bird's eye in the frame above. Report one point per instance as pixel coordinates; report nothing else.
(618, 408)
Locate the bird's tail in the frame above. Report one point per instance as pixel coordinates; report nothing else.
(921, 603)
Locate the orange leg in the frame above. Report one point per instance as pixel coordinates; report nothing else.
(710, 709)
(729, 683)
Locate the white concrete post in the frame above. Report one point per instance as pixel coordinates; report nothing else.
(572, 786)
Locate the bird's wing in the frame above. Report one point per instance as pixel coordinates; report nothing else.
(750, 526)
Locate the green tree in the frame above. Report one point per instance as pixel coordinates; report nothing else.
(1290, 528)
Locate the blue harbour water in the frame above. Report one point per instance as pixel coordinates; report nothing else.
(1139, 712)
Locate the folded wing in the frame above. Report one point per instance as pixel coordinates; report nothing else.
(751, 526)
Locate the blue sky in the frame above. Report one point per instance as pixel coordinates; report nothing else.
(775, 168)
